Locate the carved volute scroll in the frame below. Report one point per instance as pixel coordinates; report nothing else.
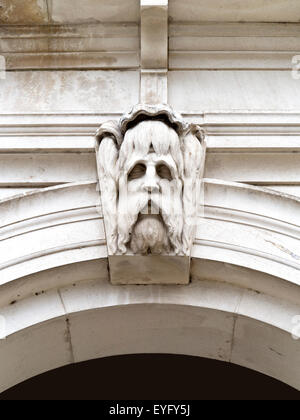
(150, 166)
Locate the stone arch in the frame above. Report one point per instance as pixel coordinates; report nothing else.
(206, 330)
(58, 306)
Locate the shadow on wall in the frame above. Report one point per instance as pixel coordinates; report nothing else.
(150, 376)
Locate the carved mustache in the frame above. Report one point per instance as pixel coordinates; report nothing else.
(149, 203)
(168, 208)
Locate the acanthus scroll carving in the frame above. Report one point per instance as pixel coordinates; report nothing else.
(150, 166)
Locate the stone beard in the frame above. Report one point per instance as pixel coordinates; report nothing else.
(148, 178)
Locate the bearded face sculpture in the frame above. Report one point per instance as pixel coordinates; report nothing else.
(150, 165)
(150, 185)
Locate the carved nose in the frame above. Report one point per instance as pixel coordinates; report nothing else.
(150, 183)
(151, 187)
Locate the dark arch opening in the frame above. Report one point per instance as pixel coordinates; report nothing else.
(151, 376)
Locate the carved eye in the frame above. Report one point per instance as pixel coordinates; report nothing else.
(164, 172)
(137, 171)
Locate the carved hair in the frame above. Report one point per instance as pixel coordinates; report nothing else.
(107, 156)
(163, 139)
(194, 152)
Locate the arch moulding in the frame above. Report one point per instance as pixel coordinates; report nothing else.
(58, 305)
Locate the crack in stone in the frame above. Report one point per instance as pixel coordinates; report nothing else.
(287, 251)
(68, 336)
(276, 352)
(235, 315)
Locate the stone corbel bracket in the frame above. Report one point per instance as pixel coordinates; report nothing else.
(150, 167)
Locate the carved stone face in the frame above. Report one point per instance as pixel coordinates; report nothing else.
(150, 189)
(149, 165)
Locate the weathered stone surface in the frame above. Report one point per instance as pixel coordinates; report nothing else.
(153, 269)
(82, 11)
(68, 91)
(23, 12)
(70, 61)
(84, 46)
(197, 91)
(154, 34)
(44, 169)
(235, 10)
(154, 87)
